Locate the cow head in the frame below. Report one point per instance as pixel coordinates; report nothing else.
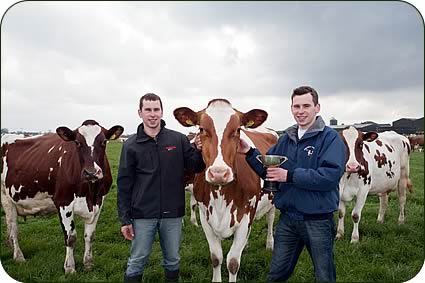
(90, 142)
(354, 142)
(219, 129)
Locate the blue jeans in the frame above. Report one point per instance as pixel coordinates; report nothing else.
(291, 235)
(170, 231)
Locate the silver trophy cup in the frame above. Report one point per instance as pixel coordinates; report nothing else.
(271, 161)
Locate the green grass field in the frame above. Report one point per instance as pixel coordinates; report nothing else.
(386, 253)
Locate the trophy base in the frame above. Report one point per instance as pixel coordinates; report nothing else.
(270, 186)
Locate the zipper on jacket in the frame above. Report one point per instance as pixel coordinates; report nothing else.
(159, 173)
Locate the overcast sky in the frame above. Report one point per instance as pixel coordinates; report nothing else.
(63, 63)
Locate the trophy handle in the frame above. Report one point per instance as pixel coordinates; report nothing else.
(258, 157)
(283, 160)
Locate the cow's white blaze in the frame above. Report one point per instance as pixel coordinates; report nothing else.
(90, 133)
(351, 136)
(220, 113)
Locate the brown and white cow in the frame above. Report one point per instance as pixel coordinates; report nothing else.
(228, 191)
(416, 142)
(67, 173)
(376, 164)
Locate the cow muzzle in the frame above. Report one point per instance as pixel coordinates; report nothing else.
(352, 167)
(92, 174)
(219, 175)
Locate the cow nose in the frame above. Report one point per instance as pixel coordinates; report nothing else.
(91, 173)
(352, 167)
(219, 175)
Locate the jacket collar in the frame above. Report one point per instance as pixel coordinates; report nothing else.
(318, 126)
(142, 136)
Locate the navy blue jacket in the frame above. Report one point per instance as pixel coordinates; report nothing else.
(315, 165)
(151, 174)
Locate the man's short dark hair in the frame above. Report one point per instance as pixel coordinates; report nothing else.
(150, 97)
(304, 90)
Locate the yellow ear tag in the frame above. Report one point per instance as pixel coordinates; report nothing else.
(249, 124)
(189, 122)
(112, 137)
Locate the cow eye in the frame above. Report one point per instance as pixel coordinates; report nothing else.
(77, 143)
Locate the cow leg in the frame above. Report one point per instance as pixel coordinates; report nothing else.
(240, 238)
(12, 225)
(402, 188)
(89, 234)
(68, 226)
(193, 205)
(356, 214)
(215, 247)
(383, 204)
(341, 214)
(270, 222)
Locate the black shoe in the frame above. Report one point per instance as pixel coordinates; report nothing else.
(136, 278)
(172, 276)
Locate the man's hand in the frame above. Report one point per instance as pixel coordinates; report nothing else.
(277, 174)
(243, 146)
(198, 142)
(127, 231)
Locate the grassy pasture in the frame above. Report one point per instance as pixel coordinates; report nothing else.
(386, 253)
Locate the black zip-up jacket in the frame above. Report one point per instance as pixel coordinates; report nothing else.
(151, 174)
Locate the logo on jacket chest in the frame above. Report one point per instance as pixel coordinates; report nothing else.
(170, 148)
(309, 149)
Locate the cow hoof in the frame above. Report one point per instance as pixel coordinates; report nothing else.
(20, 259)
(339, 236)
(18, 256)
(380, 221)
(70, 270)
(269, 245)
(88, 267)
(401, 222)
(354, 241)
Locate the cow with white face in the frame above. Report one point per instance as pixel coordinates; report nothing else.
(228, 191)
(67, 173)
(376, 164)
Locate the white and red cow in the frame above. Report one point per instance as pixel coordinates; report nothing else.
(416, 142)
(228, 191)
(67, 173)
(376, 164)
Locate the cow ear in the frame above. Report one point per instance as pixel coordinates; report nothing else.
(370, 136)
(114, 132)
(253, 118)
(186, 116)
(66, 134)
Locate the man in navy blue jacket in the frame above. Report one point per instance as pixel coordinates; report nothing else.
(308, 189)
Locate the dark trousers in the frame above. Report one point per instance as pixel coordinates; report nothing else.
(292, 235)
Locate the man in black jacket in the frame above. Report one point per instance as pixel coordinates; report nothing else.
(151, 194)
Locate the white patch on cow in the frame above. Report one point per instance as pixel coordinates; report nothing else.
(81, 209)
(50, 171)
(60, 148)
(60, 161)
(253, 201)
(351, 136)
(99, 172)
(220, 112)
(36, 181)
(221, 216)
(14, 191)
(11, 138)
(90, 132)
(51, 149)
